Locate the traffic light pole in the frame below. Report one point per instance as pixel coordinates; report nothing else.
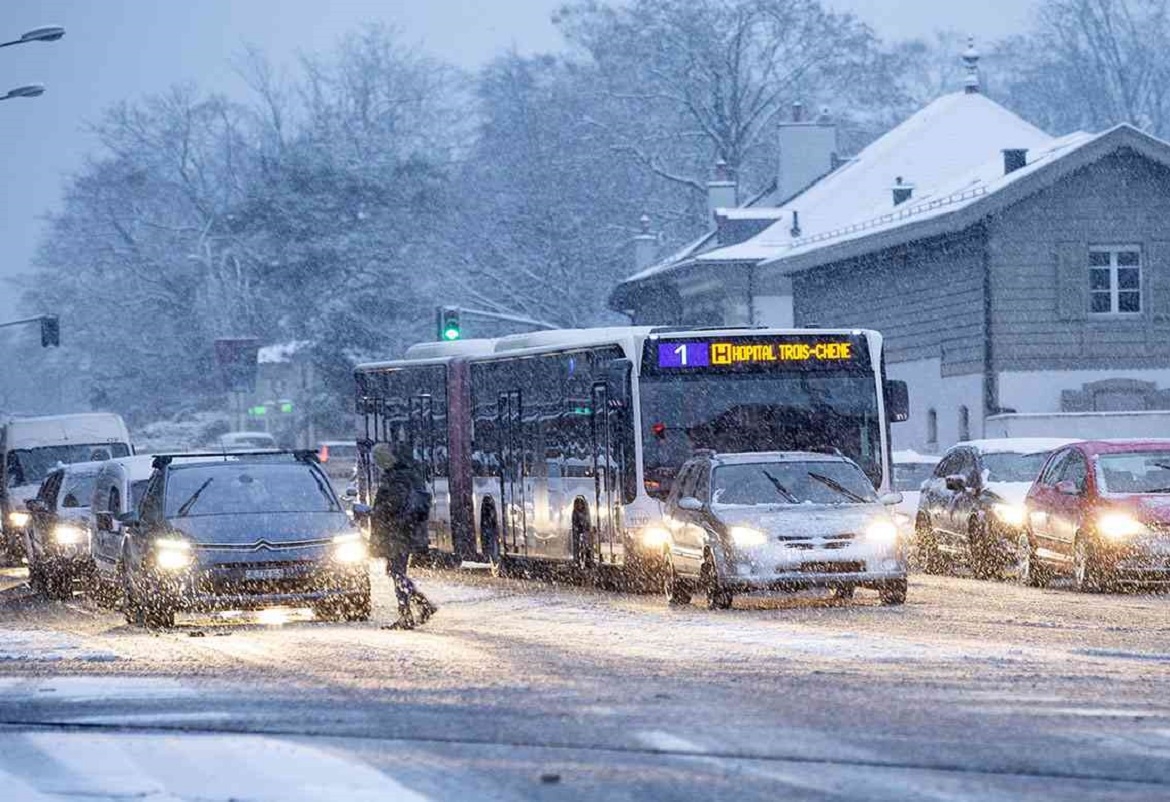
(47, 323)
(526, 321)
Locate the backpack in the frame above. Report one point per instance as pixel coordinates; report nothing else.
(418, 504)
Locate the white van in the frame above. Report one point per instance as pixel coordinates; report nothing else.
(31, 447)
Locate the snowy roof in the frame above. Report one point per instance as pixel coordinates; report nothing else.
(950, 152)
(281, 352)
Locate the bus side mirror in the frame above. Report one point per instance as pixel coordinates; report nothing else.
(897, 401)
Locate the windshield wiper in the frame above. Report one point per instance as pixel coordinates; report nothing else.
(189, 503)
(840, 488)
(781, 489)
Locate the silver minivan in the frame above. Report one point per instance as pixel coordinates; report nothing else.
(779, 521)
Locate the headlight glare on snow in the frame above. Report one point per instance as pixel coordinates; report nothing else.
(68, 534)
(172, 554)
(882, 531)
(19, 518)
(1119, 526)
(1011, 514)
(746, 536)
(349, 548)
(654, 536)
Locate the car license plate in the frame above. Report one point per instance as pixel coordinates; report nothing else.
(264, 573)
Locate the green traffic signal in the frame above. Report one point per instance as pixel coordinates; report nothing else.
(449, 329)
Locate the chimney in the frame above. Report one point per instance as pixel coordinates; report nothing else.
(808, 150)
(1014, 159)
(722, 190)
(902, 192)
(795, 230)
(645, 245)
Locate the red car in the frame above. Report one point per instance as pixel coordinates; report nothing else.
(1100, 511)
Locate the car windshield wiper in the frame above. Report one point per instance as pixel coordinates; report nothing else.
(781, 489)
(840, 488)
(186, 506)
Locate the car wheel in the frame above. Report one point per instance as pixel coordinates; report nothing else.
(893, 593)
(1088, 575)
(1029, 570)
(677, 593)
(930, 559)
(718, 597)
(58, 585)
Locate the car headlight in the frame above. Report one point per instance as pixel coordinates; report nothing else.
(68, 534)
(654, 537)
(746, 536)
(903, 520)
(883, 532)
(350, 548)
(1120, 526)
(1011, 514)
(172, 554)
(19, 518)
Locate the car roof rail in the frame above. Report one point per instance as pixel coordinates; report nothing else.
(299, 454)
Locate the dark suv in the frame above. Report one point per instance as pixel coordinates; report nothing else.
(241, 531)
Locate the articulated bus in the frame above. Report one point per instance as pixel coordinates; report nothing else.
(557, 446)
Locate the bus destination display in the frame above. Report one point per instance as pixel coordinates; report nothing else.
(761, 353)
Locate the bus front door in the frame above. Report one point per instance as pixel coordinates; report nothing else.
(513, 520)
(604, 544)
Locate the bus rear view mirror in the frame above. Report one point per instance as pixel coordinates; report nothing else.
(897, 401)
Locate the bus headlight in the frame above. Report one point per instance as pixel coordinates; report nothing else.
(655, 537)
(68, 534)
(172, 554)
(19, 518)
(349, 548)
(1120, 526)
(882, 532)
(1011, 514)
(745, 536)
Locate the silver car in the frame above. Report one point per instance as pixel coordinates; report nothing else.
(745, 523)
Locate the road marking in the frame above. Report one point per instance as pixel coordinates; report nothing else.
(667, 742)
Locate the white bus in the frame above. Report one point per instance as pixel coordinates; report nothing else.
(557, 446)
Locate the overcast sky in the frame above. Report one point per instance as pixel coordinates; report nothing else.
(117, 49)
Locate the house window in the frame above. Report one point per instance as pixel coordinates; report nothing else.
(932, 428)
(964, 424)
(1115, 280)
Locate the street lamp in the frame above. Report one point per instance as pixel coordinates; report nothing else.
(45, 33)
(31, 90)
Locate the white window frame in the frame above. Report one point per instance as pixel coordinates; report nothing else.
(1114, 284)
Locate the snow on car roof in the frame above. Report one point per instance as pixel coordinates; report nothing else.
(84, 427)
(747, 457)
(1017, 445)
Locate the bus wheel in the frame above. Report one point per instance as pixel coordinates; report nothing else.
(489, 533)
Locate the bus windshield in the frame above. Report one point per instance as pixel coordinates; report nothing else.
(28, 466)
(758, 412)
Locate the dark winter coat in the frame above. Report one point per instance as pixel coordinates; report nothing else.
(392, 529)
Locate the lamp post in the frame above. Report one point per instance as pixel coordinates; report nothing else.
(30, 90)
(45, 33)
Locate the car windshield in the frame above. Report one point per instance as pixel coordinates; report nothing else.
(791, 482)
(911, 475)
(233, 488)
(1134, 472)
(77, 489)
(1005, 466)
(29, 466)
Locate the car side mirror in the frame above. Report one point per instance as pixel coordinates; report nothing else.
(690, 503)
(890, 499)
(956, 483)
(104, 521)
(351, 492)
(1067, 488)
(361, 511)
(129, 518)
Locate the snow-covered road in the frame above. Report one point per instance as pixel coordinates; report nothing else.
(520, 690)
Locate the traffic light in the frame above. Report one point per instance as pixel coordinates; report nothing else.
(449, 323)
(50, 331)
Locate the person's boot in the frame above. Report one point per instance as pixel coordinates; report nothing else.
(405, 619)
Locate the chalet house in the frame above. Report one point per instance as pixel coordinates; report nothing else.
(1009, 270)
